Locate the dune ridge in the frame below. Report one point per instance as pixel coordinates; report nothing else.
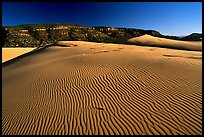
(96, 88)
(148, 40)
(10, 53)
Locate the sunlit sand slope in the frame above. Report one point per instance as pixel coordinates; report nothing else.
(148, 40)
(10, 53)
(95, 88)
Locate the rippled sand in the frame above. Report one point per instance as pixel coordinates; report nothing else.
(96, 88)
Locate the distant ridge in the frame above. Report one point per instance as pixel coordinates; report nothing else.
(30, 35)
(193, 37)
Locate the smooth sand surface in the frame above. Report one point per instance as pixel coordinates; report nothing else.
(96, 88)
(149, 40)
(10, 53)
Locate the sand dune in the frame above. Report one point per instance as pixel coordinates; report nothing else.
(10, 53)
(95, 88)
(148, 40)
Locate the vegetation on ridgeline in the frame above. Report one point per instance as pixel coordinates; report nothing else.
(35, 35)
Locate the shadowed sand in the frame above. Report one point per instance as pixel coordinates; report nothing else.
(96, 88)
(10, 53)
(149, 40)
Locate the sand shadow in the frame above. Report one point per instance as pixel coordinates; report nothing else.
(99, 108)
(167, 55)
(194, 57)
(153, 49)
(116, 50)
(119, 49)
(33, 52)
(100, 52)
(176, 56)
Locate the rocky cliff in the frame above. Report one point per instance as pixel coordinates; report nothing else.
(32, 35)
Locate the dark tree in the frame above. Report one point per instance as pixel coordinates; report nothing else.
(4, 34)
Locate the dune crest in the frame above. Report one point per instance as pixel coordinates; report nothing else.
(10, 53)
(149, 40)
(92, 88)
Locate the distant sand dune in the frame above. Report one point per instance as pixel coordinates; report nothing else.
(95, 88)
(148, 40)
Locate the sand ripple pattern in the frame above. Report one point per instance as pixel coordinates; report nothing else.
(101, 92)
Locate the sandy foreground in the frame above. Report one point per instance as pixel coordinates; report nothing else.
(96, 88)
(10, 53)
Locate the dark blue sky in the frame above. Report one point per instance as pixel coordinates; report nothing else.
(169, 18)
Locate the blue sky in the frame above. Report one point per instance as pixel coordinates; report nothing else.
(169, 18)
